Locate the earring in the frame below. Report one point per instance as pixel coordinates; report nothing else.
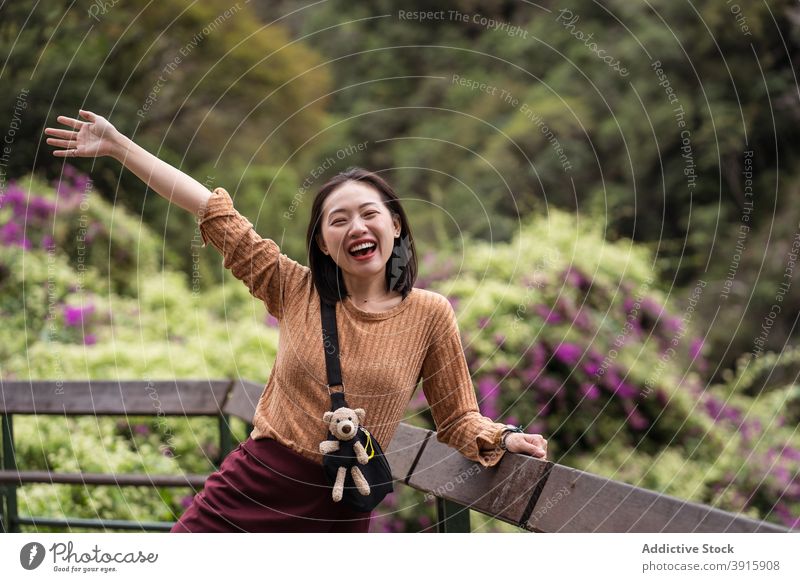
(398, 263)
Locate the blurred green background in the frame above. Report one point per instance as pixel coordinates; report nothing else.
(604, 192)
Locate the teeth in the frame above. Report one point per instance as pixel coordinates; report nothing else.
(361, 246)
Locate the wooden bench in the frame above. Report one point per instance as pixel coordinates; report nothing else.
(536, 495)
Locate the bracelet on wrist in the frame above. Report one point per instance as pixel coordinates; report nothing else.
(506, 431)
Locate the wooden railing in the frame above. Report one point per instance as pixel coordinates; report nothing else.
(536, 495)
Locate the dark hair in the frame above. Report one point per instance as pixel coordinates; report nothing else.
(401, 268)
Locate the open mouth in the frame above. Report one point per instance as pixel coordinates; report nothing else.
(363, 251)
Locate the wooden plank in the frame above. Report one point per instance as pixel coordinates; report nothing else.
(576, 501)
(243, 399)
(403, 448)
(502, 491)
(102, 397)
(123, 480)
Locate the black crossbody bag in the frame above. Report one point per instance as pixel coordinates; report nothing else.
(377, 471)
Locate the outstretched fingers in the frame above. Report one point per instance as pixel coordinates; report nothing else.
(61, 133)
(65, 153)
(63, 143)
(74, 123)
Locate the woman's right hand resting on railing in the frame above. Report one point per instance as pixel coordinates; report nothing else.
(96, 137)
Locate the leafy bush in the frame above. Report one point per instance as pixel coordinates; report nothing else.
(570, 335)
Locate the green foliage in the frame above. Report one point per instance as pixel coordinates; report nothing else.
(62, 318)
(571, 336)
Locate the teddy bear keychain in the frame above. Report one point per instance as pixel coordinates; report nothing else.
(343, 426)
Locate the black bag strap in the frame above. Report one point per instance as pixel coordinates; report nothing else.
(330, 344)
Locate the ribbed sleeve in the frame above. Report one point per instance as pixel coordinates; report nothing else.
(256, 261)
(448, 388)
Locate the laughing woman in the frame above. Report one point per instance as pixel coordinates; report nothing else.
(361, 259)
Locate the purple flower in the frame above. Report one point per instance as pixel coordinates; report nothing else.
(70, 171)
(487, 387)
(454, 301)
(488, 391)
(10, 233)
(483, 322)
(672, 324)
(75, 316)
(548, 385)
(575, 278)
(82, 182)
(271, 321)
(489, 409)
(783, 475)
(41, 208)
(568, 354)
(591, 368)
(89, 339)
(628, 304)
(717, 410)
(590, 391)
(499, 339)
(536, 428)
(142, 429)
(791, 453)
(502, 369)
(550, 317)
(619, 386)
(582, 320)
(652, 306)
(625, 390)
(419, 399)
(635, 419)
(695, 347)
(186, 501)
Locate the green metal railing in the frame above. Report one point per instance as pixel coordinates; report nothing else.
(10, 520)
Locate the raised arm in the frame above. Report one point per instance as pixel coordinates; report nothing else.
(269, 274)
(96, 137)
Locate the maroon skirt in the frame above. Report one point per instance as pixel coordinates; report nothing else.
(263, 486)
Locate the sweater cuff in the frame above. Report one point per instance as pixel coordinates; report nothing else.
(219, 203)
(491, 455)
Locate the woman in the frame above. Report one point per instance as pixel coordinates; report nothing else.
(392, 335)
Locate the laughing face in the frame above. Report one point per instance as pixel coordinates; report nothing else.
(358, 232)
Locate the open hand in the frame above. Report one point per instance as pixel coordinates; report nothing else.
(87, 139)
(529, 444)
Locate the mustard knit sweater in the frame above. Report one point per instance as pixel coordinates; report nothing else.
(383, 355)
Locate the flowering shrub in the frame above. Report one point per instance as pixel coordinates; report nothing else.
(569, 335)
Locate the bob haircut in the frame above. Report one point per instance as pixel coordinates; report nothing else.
(401, 268)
